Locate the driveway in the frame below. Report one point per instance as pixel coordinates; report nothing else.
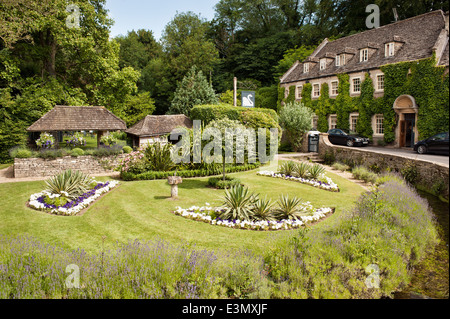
(409, 153)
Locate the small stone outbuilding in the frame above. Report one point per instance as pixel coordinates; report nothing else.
(156, 128)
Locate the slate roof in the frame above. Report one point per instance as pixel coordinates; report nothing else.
(157, 125)
(418, 36)
(78, 118)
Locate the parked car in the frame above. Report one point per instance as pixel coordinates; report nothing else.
(434, 144)
(343, 137)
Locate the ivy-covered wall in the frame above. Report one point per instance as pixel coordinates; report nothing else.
(422, 79)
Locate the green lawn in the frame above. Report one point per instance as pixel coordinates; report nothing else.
(3, 166)
(142, 210)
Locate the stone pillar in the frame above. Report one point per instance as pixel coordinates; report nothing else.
(99, 136)
(173, 182)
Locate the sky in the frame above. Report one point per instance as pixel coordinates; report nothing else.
(153, 14)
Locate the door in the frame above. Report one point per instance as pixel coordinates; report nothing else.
(402, 140)
(410, 123)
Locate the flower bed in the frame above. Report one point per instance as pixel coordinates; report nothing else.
(37, 201)
(325, 183)
(206, 215)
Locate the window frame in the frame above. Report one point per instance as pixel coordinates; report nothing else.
(378, 131)
(314, 91)
(332, 118)
(364, 55)
(297, 95)
(337, 88)
(389, 49)
(352, 117)
(377, 89)
(338, 60)
(305, 67)
(353, 85)
(322, 64)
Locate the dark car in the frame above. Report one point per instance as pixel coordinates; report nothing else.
(342, 137)
(434, 144)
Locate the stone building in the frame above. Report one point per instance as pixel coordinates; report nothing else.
(156, 128)
(364, 53)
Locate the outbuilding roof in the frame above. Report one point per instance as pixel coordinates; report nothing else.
(78, 118)
(158, 125)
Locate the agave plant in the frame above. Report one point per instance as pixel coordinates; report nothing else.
(70, 184)
(301, 169)
(289, 208)
(238, 204)
(316, 170)
(263, 210)
(287, 168)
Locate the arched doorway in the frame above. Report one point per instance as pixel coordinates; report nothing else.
(406, 134)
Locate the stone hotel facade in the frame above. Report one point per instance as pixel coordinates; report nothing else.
(364, 53)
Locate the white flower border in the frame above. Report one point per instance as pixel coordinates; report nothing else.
(202, 214)
(327, 185)
(34, 203)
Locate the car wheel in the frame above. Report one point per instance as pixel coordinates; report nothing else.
(422, 149)
(350, 143)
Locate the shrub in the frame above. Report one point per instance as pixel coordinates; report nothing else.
(289, 208)
(21, 153)
(295, 118)
(341, 167)
(52, 154)
(410, 172)
(77, 152)
(316, 170)
(219, 183)
(158, 157)
(263, 210)
(329, 158)
(70, 184)
(108, 140)
(127, 150)
(238, 204)
(287, 168)
(362, 173)
(301, 169)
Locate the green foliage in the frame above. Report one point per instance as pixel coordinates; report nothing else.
(127, 149)
(289, 208)
(219, 183)
(21, 153)
(296, 119)
(108, 140)
(323, 108)
(77, 152)
(262, 210)
(136, 108)
(266, 97)
(193, 90)
(238, 204)
(362, 173)
(301, 169)
(341, 167)
(70, 184)
(228, 98)
(287, 168)
(315, 171)
(158, 157)
(290, 57)
(343, 104)
(410, 172)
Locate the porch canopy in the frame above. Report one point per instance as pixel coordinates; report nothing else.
(79, 118)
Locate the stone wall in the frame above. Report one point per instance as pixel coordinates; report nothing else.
(429, 173)
(39, 167)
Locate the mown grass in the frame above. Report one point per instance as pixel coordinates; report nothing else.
(142, 210)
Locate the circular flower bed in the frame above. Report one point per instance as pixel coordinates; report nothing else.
(207, 215)
(39, 201)
(324, 182)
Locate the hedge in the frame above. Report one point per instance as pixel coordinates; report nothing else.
(151, 175)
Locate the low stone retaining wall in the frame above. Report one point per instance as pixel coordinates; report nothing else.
(39, 167)
(429, 173)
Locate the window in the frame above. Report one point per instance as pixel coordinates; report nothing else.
(334, 88)
(353, 122)
(338, 60)
(333, 122)
(306, 68)
(356, 85)
(299, 91)
(380, 82)
(315, 122)
(316, 90)
(379, 124)
(364, 55)
(389, 49)
(323, 64)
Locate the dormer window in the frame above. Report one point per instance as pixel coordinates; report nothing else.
(338, 60)
(323, 64)
(364, 55)
(306, 68)
(389, 49)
